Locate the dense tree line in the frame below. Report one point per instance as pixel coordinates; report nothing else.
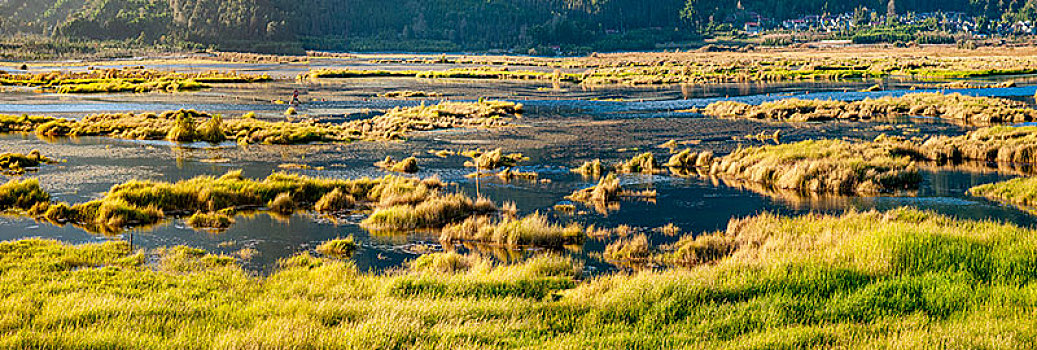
(462, 24)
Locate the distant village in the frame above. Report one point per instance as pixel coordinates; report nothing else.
(953, 22)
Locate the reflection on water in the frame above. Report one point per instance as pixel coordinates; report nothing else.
(694, 203)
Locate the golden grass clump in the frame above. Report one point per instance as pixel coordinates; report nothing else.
(509, 174)
(493, 159)
(1001, 144)
(532, 230)
(592, 168)
(825, 166)
(214, 220)
(282, 204)
(959, 108)
(335, 201)
(18, 163)
(644, 163)
(343, 247)
(408, 165)
(433, 212)
(22, 195)
(686, 160)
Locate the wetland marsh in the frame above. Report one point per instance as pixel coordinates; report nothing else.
(656, 195)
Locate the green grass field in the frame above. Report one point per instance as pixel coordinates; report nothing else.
(897, 279)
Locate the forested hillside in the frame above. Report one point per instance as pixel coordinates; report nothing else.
(436, 25)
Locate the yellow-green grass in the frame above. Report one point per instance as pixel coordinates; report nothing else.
(492, 159)
(592, 168)
(902, 278)
(824, 166)
(1019, 191)
(17, 163)
(133, 79)
(956, 107)
(532, 230)
(605, 195)
(409, 94)
(214, 220)
(139, 203)
(408, 165)
(457, 73)
(342, 247)
(1001, 144)
(434, 212)
(191, 126)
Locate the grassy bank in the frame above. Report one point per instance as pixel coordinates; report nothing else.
(192, 126)
(134, 79)
(826, 166)
(1000, 144)
(871, 279)
(210, 202)
(18, 163)
(1019, 191)
(954, 107)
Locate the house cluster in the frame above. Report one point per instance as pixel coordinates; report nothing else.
(957, 22)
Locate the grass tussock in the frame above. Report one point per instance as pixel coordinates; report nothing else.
(18, 163)
(22, 195)
(342, 247)
(532, 230)
(509, 174)
(592, 168)
(433, 212)
(408, 165)
(643, 163)
(826, 166)
(213, 220)
(959, 108)
(605, 196)
(492, 159)
(1001, 144)
(788, 282)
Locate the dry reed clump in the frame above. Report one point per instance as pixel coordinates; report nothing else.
(633, 249)
(282, 204)
(409, 94)
(592, 168)
(190, 126)
(509, 174)
(493, 159)
(1000, 144)
(433, 212)
(532, 230)
(408, 165)
(605, 196)
(956, 107)
(214, 220)
(644, 163)
(342, 247)
(18, 163)
(687, 160)
(826, 166)
(335, 201)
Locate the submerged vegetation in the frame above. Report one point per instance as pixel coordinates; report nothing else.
(955, 107)
(839, 281)
(191, 126)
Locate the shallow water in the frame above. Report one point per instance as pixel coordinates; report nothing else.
(695, 204)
